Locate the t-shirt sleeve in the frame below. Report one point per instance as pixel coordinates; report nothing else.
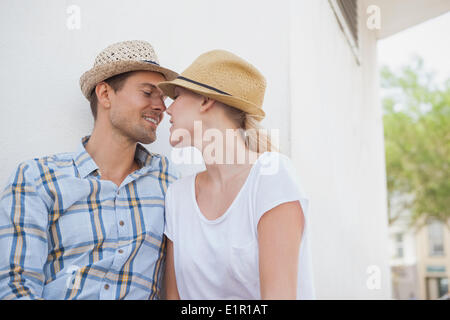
(277, 183)
(168, 214)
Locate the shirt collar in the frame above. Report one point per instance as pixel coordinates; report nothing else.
(86, 165)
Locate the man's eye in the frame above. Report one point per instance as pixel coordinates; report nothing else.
(174, 98)
(147, 93)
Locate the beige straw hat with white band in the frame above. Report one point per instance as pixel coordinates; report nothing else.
(225, 77)
(121, 57)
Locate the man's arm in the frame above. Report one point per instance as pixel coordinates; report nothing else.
(23, 236)
(279, 234)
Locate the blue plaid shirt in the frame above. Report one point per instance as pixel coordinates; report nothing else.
(67, 234)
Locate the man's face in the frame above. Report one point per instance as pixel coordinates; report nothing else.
(138, 107)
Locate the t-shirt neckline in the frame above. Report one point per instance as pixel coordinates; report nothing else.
(236, 198)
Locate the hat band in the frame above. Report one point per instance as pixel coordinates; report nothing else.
(203, 85)
(150, 61)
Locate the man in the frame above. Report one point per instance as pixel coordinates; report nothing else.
(89, 224)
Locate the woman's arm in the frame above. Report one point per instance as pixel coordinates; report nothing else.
(279, 234)
(170, 281)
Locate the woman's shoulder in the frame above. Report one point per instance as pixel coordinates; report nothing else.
(273, 163)
(276, 170)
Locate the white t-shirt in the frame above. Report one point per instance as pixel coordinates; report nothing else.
(218, 259)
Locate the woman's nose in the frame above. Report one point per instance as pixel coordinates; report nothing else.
(169, 110)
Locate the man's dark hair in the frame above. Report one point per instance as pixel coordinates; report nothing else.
(115, 82)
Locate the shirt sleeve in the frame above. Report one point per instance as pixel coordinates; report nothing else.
(277, 183)
(23, 236)
(172, 171)
(168, 223)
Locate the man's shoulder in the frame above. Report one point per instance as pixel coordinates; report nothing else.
(37, 166)
(34, 171)
(54, 161)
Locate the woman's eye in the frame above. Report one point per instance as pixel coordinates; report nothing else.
(147, 93)
(174, 98)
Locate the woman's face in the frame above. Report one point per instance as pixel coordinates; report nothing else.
(183, 112)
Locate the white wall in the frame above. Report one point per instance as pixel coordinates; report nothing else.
(337, 144)
(325, 105)
(42, 108)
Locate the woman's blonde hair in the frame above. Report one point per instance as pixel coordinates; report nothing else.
(256, 137)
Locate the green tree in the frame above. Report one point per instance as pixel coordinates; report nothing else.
(417, 143)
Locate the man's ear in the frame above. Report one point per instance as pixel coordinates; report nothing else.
(103, 90)
(207, 103)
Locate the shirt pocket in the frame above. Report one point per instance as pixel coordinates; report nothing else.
(154, 220)
(244, 263)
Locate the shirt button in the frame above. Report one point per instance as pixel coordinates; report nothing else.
(121, 223)
(106, 286)
(120, 251)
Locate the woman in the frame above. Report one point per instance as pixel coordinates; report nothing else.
(238, 229)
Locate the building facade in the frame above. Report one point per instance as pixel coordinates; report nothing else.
(420, 259)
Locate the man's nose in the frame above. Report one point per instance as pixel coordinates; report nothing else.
(159, 106)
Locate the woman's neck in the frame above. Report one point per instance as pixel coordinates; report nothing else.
(227, 159)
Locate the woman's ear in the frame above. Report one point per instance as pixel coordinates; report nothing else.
(207, 103)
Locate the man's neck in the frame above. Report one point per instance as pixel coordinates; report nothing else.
(114, 154)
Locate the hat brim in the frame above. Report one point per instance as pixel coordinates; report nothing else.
(168, 87)
(91, 78)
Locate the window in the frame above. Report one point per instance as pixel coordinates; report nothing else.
(443, 286)
(349, 11)
(346, 12)
(398, 245)
(436, 287)
(436, 238)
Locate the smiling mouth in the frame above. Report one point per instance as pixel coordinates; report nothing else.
(151, 120)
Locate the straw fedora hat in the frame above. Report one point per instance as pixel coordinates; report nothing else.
(121, 57)
(224, 77)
